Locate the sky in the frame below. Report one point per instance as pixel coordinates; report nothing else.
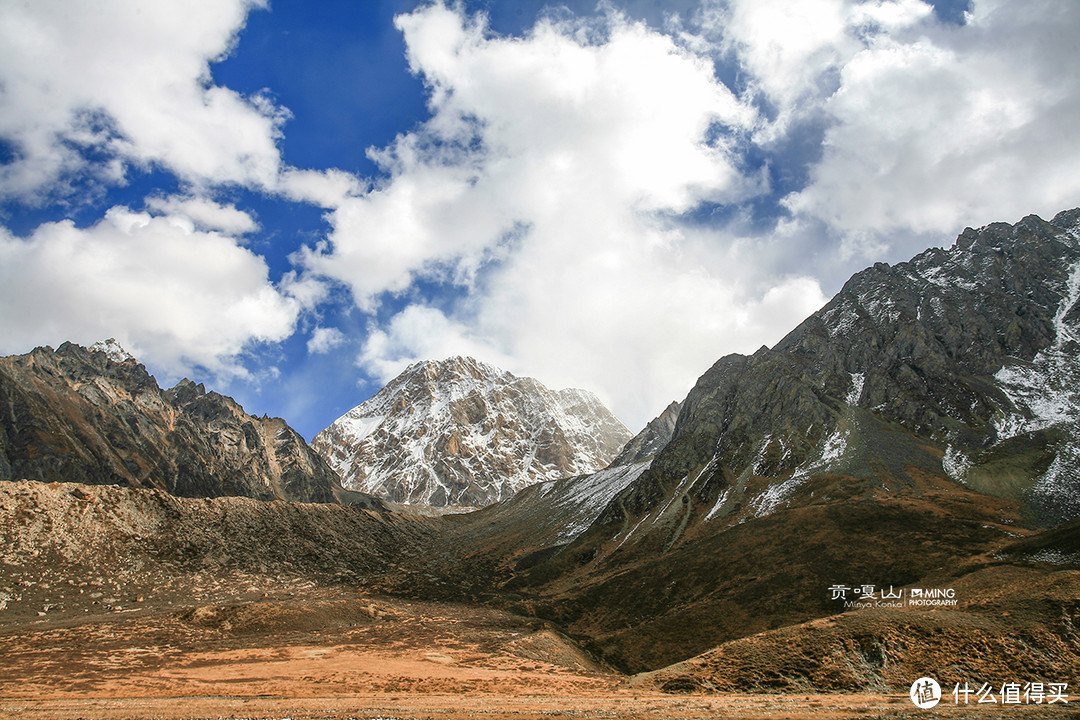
(291, 202)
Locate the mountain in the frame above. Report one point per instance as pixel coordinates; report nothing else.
(96, 416)
(516, 533)
(917, 435)
(910, 429)
(652, 438)
(464, 433)
(962, 362)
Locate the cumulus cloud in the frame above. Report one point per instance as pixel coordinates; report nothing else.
(961, 125)
(545, 186)
(207, 214)
(127, 82)
(930, 126)
(324, 339)
(521, 126)
(174, 296)
(421, 332)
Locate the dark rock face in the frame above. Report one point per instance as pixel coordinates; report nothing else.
(966, 358)
(652, 439)
(96, 416)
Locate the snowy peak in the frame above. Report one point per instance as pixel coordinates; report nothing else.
(113, 350)
(461, 432)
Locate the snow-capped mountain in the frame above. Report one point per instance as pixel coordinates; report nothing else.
(463, 433)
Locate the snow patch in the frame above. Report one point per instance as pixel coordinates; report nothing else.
(955, 464)
(358, 428)
(833, 449)
(113, 350)
(767, 502)
(841, 320)
(719, 504)
(1046, 391)
(588, 496)
(1054, 557)
(760, 459)
(857, 381)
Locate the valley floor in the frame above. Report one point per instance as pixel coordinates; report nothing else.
(500, 707)
(118, 604)
(298, 651)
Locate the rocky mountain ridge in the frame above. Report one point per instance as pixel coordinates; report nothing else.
(964, 357)
(461, 432)
(928, 406)
(96, 416)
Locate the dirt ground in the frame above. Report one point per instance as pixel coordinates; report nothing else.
(340, 653)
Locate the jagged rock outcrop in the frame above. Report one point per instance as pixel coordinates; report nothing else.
(652, 438)
(96, 416)
(464, 433)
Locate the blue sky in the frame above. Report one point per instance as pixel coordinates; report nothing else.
(293, 201)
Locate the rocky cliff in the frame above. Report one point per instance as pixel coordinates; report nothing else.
(962, 362)
(96, 416)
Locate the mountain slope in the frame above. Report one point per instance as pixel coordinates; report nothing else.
(127, 542)
(922, 417)
(464, 433)
(518, 533)
(96, 416)
(960, 362)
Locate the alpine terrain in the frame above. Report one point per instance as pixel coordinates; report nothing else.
(96, 416)
(464, 433)
(891, 492)
(905, 434)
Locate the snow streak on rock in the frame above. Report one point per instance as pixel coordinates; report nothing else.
(1046, 392)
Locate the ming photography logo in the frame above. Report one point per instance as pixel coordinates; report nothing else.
(867, 596)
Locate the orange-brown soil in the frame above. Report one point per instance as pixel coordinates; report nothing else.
(340, 653)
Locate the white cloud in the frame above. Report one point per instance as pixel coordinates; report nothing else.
(205, 213)
(326, 188)
(930, 126)
(521, 128)
(961, 125)
(541, 185)
(131, 81)
(173, 296)
(420, 332)
(324, 339)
